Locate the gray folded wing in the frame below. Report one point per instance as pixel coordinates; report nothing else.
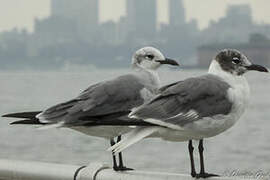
(119, 95)
(187, 101)
(165, 87)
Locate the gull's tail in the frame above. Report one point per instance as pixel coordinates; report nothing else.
(133, 137)
(28, 117)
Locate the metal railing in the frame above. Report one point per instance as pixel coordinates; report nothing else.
(27, 170)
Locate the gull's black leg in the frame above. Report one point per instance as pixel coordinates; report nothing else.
(121, 166)
(202, 174)
(190, 149)
(121, 163)
(115, 167)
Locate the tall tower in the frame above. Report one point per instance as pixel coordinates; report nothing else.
(57, 8)
(87, 18)
(239, 13)
(131, 15)
(177, 14)
(142, 17)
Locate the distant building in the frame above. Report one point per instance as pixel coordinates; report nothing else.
(109, 34)
(84, 13)
(13, 45)
(177, 14)
(70, 21)
(235, 27)
(238, 14)
(179, 36)
(142, 18)
(258, 48)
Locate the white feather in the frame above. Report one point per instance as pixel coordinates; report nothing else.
(50, 126)
(41, 118)
(133, 137)
(163, 123)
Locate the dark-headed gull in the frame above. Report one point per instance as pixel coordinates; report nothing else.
(197, 108)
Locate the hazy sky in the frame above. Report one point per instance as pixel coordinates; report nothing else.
(21, 13)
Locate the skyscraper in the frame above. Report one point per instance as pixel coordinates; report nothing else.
(240, 13)
(177, 14)
(142, 17)
(83, 12)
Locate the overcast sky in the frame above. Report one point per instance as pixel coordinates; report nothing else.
(21, 13)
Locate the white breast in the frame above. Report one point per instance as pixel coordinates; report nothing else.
(238, 94)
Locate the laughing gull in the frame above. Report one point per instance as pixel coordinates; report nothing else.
(106, 103)
(197, 108)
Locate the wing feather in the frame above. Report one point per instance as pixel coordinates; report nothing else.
(118, 95)
(187, 101)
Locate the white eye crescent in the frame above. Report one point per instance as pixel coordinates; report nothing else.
(236, 60)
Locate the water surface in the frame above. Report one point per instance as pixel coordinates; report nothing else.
(243, 148)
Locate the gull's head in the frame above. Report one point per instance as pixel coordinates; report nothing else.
(235, 62)
(150, 58)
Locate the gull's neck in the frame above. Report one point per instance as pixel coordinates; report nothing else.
(238, 93)
(216, 69)
(232, 79)
(150, 76)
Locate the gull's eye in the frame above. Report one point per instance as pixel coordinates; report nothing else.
(149, 56)
(236, 60)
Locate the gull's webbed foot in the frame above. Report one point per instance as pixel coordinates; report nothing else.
(205, 175)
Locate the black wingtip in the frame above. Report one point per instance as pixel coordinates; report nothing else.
(17, 122)
(27, 121)
(30, 115)
(9, 115)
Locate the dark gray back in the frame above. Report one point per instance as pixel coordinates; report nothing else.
(206, 95)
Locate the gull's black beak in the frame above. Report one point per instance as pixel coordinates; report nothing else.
(168, 61)
(256, 67)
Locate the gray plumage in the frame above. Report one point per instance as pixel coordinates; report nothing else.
(197, 108)
(105, 98)
(187, 101)
(57, 112)
(108, 102)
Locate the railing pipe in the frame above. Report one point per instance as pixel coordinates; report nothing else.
(27, 170)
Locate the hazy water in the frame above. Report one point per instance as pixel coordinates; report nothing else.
(245, 147)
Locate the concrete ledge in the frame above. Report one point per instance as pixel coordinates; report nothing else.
(27, 170)
(108, 174)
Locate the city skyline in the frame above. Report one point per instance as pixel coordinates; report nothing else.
(21, 14)
(72, 34)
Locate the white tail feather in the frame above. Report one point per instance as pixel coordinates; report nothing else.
(50, 126)
(133, 137)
